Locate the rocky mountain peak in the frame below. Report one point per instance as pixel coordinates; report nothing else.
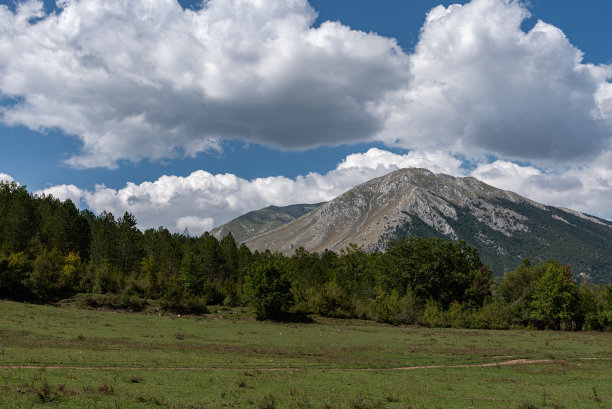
(366, 213)
(503, 225)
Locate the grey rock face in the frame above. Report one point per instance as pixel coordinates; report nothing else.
(369, 211)
(504, 226)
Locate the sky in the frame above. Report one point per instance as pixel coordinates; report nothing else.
(188, 114)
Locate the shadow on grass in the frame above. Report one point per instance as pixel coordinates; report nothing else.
(291, 317)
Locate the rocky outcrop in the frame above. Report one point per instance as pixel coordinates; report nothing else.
(373, 209)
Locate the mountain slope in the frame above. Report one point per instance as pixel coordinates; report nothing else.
(504, 226)
(261, 221)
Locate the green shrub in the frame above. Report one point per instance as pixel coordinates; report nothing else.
(457, 317)
(493, 316)
(106, 280)
(45, 279)
(433, 315)
(393, 309)
(268, 289)
(184, 305)
(111, 301)
(332, 301)
(14, 270)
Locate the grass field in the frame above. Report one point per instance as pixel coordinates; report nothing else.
(69, 358)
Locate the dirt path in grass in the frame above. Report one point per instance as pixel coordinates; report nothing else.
(521, 361)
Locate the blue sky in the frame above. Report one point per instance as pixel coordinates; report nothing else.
(189, 116)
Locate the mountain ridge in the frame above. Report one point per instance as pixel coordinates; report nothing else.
(261, 221)
(505, 226)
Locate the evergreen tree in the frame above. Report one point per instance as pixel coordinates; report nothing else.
(104, 241)
(191, 274)
(62, 226)
(45, 280)
(229, 251)
(17, 219)
(128, 245)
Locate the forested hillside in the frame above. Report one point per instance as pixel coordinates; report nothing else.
(49, 250)
(553, 233)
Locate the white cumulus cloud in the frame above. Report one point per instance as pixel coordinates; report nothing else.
(194, 225)
(148, 79)
(437, 162)
(6, 178)
(480, 84)
(202, 200)
(63, 192)
(585, 188)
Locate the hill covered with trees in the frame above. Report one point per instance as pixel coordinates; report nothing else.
(49, 250)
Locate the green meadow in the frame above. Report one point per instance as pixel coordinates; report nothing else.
(63, 357)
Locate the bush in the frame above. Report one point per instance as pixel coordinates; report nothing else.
(268, 289)
(45, 279)
(493, 316)
(393, 309)
(106, 280)
(184, 305)
(433, 315)
(458, 317)
(73, 271)
(14, 270)
(332, 301)
(112, 302)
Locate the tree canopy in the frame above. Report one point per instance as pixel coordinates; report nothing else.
(50, 250)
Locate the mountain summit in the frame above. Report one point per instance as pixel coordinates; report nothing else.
(504, 226)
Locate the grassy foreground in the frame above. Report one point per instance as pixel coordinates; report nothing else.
(69, 358)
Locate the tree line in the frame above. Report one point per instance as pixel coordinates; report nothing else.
(49, 250)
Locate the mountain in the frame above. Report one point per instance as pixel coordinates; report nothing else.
(504, 226)
(261, 221)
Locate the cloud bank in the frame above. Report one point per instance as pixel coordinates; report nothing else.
(145, 79)
(142, 79)
(201, 200)
(586, 188)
